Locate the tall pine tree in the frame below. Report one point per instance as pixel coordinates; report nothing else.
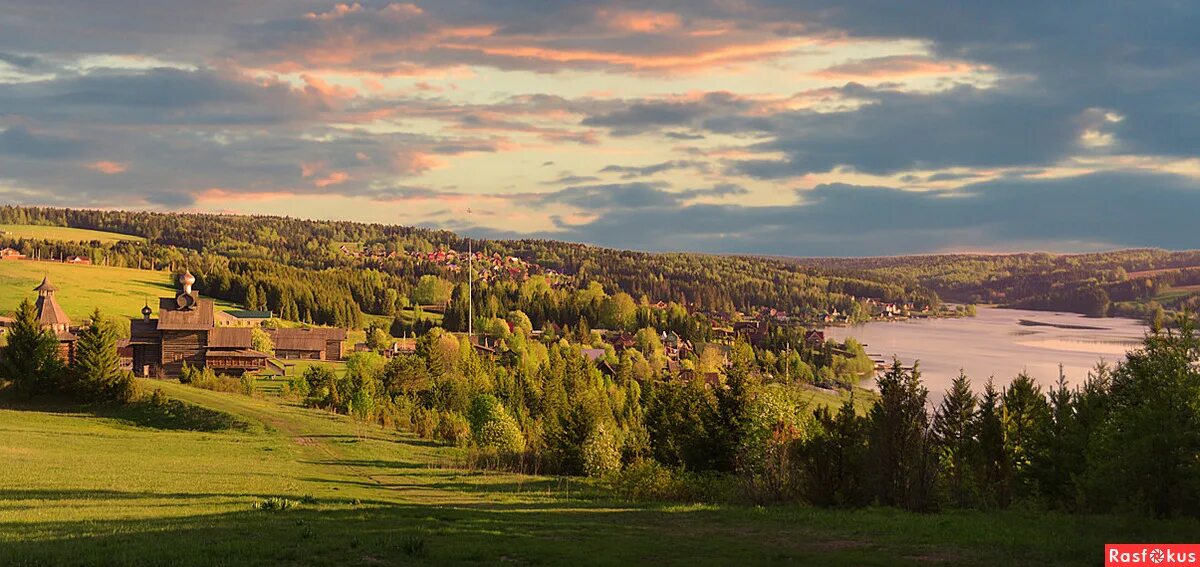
(31, 362)
(96, 373)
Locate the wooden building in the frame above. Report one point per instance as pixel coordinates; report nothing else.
(315, 343)
(52, 318)
(185, 333)
(11, 254)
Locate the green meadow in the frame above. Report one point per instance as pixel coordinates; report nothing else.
(119, 291)
(62, 233)
(194, 481)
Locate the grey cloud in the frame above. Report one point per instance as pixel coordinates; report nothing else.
(19, 141)
(839, 219)
(631, 172)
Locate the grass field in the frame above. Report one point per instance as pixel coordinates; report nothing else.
(117, 291)
(62, 233)
(150, 487)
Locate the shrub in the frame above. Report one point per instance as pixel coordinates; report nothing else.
(424, 421)
(492, 427)
(248, 383)
(276, 504)
(452, 429)
(296, 386)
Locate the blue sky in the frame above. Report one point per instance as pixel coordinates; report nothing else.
(749, 126)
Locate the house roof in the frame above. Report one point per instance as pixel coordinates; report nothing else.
(50, 313)
(247, 314)
(311, 339)
(230, 337)
(593, 354)
(46, 285)
(172, 318)
(144, 332)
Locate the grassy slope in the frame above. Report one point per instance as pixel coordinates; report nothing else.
(83, 489)
(120, 291)
(62, 233)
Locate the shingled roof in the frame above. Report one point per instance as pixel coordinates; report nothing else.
(230, 337)
(312, 339)
(50, 313)
(172, 318)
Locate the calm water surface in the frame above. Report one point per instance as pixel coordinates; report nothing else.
(995, 343)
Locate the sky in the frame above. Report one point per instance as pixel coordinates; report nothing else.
(786, 127)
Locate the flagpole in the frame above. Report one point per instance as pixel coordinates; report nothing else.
(470, 289)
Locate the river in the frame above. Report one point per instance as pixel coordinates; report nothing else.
(996, 343)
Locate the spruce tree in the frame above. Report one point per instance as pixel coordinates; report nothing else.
(31, 361)
(899, 441)
(96, 373)
(995, 474)
(954, 431)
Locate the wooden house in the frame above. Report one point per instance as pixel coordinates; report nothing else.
(316, 343)
(78, 260)
(11, 254)
(241, 318)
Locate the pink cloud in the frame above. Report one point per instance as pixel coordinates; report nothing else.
(895, 67)
(108, 167)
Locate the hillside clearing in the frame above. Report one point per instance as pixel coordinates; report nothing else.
(63, 234)
(85, 489)
(119, 291)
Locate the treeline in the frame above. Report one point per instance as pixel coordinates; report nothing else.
(382, 284)
(1125, 440)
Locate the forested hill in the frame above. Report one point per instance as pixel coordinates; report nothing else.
(1136, 283)
(266, 261)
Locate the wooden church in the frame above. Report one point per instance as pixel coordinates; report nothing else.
(52, 318)
(185, 333)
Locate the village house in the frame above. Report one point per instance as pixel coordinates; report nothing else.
(185, 333)
(11, 254)
(81, 260)
(815, 338)
(242, 318)
(315, 343)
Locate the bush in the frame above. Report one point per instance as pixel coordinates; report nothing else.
(452, 429)
(276, 504)
(296, 386)
(249, 385)
(206, 379)
(649, 481)
(424, 421)
(493, 428)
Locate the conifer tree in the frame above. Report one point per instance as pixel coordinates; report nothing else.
(31, 361)
(96, 372)
(954, 431)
